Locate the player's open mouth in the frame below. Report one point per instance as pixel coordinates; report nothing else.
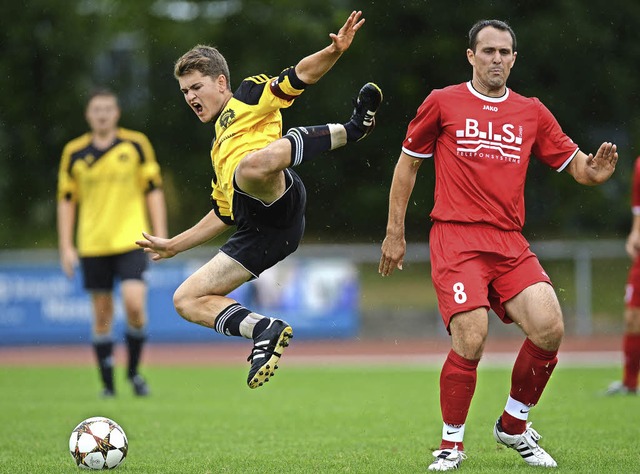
(197, 108)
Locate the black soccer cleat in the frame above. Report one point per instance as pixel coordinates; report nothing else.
(364, 111)
(267, 350)
(139, 385)
(107, 393)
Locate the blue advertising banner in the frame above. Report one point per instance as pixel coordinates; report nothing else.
(39, 305)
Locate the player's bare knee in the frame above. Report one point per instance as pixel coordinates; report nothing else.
(255, 166)
(548, 336)
(469, 345)
(473, 350)
(182, 302)
(556, 333)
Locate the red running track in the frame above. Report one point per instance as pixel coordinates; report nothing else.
(601, 350)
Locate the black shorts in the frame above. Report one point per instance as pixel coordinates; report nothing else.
(267, 233)
(100, 273)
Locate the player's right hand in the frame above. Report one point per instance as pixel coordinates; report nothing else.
(393, 251)
(157, 247)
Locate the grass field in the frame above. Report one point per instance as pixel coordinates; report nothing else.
(316, 420)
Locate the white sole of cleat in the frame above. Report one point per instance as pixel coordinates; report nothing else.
(267, 370)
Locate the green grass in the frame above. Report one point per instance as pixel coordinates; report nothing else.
(309, 420)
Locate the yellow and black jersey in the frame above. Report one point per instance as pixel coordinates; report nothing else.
(250, 121)
(109, 187)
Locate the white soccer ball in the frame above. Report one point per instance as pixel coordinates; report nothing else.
(98, 443)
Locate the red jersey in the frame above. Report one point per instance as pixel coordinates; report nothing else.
(481, 146)
(635, 189)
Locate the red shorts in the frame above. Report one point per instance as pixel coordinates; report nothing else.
(632, 293)
(476, 265)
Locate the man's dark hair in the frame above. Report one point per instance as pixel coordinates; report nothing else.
(101, 92)
(497, 24)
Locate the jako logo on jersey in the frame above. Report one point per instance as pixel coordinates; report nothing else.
(491, 108)
(486, 142)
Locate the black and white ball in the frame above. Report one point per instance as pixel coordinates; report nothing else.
(98, 443)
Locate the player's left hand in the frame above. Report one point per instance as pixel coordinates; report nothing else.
(632, 245)
(600, 167)
(343, 39)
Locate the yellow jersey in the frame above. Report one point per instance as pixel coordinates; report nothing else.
(250, 121)
(109, 187)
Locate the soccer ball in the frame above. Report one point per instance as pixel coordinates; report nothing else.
(98, 443)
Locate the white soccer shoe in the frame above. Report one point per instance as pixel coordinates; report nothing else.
(447, 459)
(526, 444)
(618, 388)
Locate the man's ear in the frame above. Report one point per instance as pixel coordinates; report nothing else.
(222, 83)
(471, 57)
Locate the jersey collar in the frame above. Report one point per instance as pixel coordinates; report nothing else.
(486, 98)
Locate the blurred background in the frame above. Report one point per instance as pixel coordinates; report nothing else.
(580, 60)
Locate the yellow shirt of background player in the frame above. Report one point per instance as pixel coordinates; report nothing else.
(109, 187)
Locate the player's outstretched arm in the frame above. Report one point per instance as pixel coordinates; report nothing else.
(592, 170)
(210, 226)
(311, 68)
(394, 245)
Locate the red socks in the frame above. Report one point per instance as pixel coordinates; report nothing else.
(531, 372)
(457, 385)
(631, 351)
